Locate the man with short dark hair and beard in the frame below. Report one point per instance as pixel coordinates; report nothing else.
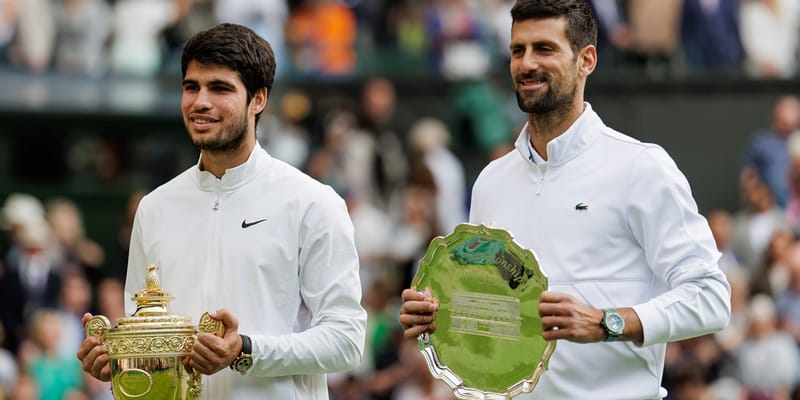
(266, 248)
(631, 263)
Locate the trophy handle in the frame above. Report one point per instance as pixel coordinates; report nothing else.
(210, 325)
(97, 326)
(206, 325)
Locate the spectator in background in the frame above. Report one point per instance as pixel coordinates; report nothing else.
(379, 119)
(642, 33)
(321, 36)
(343, 160)
(54, 372)
(793, 206)
(420, 385)
(137, 26)
(767, 151)
(772, 276)
(770, 31)
(428, 140)
(710, 35)
(8, 25)
(481, 119)
(109, 301)
(768, 358)
(35, 36)
(82, 29)
(265, 17)
(614, 34)
(123, 241)
(8, 367)
(75, 299)
(25, 388)
(788, 301)
(655, 33)
(372, 235)
(32, 273)
(284, 134)
(79, 254)
(406, 21)
(459, 42)
(756, 222)
(499, 20)
(721, 224)
(690, 367)
(731, 337)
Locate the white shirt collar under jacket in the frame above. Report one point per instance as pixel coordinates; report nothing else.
(567, 145)
(233, 177)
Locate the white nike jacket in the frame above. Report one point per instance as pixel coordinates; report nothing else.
(612, 222)
(274, 247)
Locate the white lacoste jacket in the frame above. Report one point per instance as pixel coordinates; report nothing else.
(274, 247)
(613, 222)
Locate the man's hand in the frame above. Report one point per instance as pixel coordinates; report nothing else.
(212, 353)
(418, 312)
(94, 356)
(564, 317)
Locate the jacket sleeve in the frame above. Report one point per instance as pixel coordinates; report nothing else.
(662, 215)
(134, 277)
(331, 291)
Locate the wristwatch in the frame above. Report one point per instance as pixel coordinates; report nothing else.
(244, 361)
(613, 324)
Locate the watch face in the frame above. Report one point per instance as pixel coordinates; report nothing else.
(243, 364)
(615, 323)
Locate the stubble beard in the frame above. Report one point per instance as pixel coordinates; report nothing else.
(223, 143)
(552, 101)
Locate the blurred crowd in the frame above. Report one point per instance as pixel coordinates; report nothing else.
(403, 177)
(335, 39)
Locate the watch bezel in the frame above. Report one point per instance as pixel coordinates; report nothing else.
(243, 363)
(613, 324)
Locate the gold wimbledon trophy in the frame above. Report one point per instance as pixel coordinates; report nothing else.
(147, 349)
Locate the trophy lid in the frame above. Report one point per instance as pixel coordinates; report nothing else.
(151, 307)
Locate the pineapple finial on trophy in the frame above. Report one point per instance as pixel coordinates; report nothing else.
(152, 300)
(152, 281)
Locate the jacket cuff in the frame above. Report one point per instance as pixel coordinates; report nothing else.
(655, 323)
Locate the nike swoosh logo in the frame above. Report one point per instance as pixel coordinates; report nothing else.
(246, 224)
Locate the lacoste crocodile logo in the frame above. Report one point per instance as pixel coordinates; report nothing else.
(581, 206)
(246, 224)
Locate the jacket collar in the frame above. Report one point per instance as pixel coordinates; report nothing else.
(233, 177)
(567, 145)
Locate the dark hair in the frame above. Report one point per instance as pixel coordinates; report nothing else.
(581, 21)
(237, 47)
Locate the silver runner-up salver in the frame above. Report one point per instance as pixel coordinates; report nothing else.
(488, 343)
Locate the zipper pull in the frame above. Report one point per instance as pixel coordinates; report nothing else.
(216, 205)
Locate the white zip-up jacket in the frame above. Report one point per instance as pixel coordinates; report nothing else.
(275, 248)
(613, 223)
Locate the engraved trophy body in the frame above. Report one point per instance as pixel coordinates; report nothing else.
(147, 348)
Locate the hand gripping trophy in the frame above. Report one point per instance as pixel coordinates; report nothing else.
(147, 348)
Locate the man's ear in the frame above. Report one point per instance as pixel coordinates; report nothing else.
(259, 101)
(587, 60)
